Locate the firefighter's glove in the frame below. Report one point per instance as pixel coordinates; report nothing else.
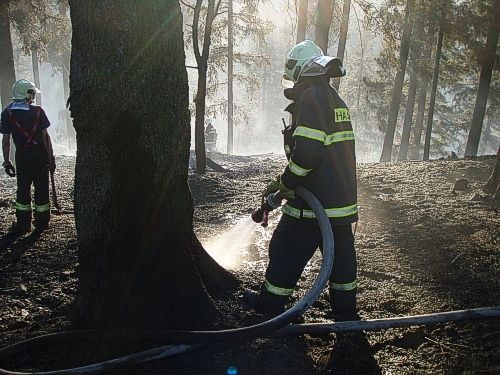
(286, 192)
(52, 165)
(272, 187)
(272, 202)
(9, 169)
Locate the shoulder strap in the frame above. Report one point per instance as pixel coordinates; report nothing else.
(29, 135)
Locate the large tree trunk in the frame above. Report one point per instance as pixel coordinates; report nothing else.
(7, 71)
(36, 71)
(398, 84)
(487, 61)
(323, 22)
(344, 28)
(70, 131)
(230, 57)
(432, 102)
(140, 265)
(302, 20)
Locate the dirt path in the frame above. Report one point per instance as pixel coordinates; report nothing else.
(421, 247)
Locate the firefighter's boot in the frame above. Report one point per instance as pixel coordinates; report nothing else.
(265, 302)
(343, 305)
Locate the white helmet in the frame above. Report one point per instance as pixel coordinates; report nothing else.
(306, 59)
(24, 89)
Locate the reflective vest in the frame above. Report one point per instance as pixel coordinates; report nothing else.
(323, 157)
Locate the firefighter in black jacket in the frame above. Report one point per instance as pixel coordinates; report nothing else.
(28, 125)
(322, 159)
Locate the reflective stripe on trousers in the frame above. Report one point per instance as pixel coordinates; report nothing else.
(277, 290)
(343, 286)
(23, 207)
(42, 208)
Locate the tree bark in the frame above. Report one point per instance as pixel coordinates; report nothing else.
(323, 22)
(398, 84)
(7, 71)
(140, 264)
(432, 102)
(484, 82)
(302, 20)
(36, 71)
(230, 57)
(344, 28)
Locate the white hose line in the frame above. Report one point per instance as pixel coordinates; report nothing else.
(397, 322)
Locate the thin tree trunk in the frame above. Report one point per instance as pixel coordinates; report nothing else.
(323, 22)
(432, 102)
(398, 84)
(7, 71)
(36, 71)
(423, 84)
(140, 264)
(344, 28)
(486, 139)
(230, 99)
(408, 120)
(419, 121)
(415, 56)
(70, 131)
(302, 20)
(493, 183)
(484, 82)
(202, 61)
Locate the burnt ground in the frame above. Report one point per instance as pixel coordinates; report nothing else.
(422, 247)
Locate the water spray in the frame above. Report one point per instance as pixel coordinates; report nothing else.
(228, 248)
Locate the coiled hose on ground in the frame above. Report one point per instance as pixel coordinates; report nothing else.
(260, 329)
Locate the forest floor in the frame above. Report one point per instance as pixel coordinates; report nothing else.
(422, 247)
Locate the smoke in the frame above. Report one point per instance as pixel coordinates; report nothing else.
(230, 247)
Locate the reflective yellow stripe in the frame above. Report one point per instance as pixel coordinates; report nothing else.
(23, 207)
(310, 133)
(298, 170)
(42, 208)
(339, 137)
(291, 211)
(330, 212)
(345, 286)
(321, 136)
(342, 115)
(277, 290)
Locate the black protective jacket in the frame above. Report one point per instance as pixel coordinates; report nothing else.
(323, 156)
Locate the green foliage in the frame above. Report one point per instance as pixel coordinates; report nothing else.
(39, 25)
(465, 24)
(248, 27)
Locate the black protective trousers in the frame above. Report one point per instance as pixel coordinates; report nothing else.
(31, 164)
(293, 243)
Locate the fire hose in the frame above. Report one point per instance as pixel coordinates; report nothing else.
(280, 324)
